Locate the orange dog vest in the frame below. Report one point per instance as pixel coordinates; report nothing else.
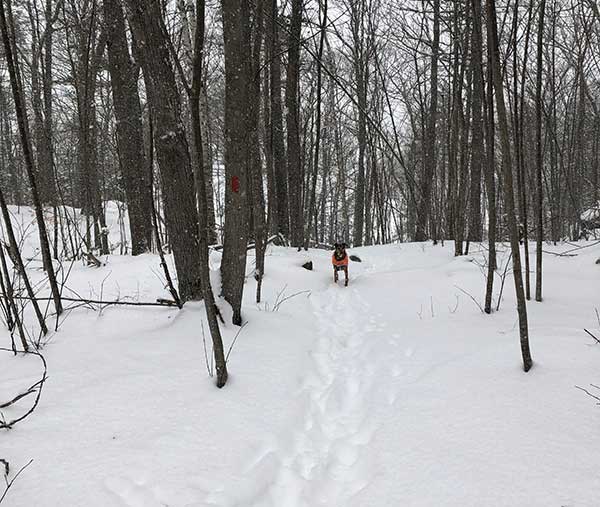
(339, 262)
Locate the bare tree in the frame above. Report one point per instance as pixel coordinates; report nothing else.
(11, 55)
(507, 172)
(128, 112)
(236, 34)
(169, 137)
(292, 118)
(429, 151)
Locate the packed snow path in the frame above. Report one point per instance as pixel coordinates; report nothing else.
(394, 391)
(407, 401)
(327, 464)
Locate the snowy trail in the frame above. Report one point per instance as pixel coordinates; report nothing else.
(326, 465)
(395, 390)
(323, 461)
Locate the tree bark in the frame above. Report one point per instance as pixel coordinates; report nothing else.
(477, 155)
(292, 118)
(11, 56)
(429, 152)
(171, 145)
(236, 34)
(507, 171)
(128, 115)
(281, 218)
(199, 178)
(538, 154)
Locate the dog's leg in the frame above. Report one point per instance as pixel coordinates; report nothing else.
(335, 275)
(346, 276)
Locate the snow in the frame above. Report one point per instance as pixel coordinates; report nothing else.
(592, 214)
(396, 390)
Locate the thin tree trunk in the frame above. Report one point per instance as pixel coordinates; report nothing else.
(312, 206)
(6, 25)
(477, 155)
(199, 178)
(256, 180)
(538, 154)
(293, 126)
(424, 206)
(507, 170)
(281, 219)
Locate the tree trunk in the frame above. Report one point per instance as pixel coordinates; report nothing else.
(429, 152)
(293, 126)
(281, 218)
(475, 227)
(128, 114)
(8, 38)
(171, 145)
(256, 179)
(199, 178)
(312, 205)
(538, 154)
(507, 171)
(236, 34)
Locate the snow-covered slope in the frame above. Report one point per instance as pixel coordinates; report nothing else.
(394, 391)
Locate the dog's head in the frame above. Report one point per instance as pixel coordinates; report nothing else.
(340, 248)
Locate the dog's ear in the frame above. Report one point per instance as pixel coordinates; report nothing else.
(343, 245)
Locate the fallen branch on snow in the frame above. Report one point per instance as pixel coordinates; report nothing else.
(597, 339)
(590, 394)
(472, 298)
(33, 389)
(159, 301)
(11, 482)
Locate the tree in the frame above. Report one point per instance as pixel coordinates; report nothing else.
(11, 55)
(477, 155)
(236, 35)
(507, 172)
(278, 199)
(424, 205)
(292, 120)
(169, 137)
(130, 142)
(199, 178)
(538, 154)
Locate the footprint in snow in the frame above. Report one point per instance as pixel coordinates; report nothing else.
(132, 493)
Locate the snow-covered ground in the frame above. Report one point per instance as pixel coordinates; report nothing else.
(394, 391)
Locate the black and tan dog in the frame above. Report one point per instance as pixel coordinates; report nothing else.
(339, 259)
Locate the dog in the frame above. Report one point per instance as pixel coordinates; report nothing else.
(339, 259)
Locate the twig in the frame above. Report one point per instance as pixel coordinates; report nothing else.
(503, 280)
(472, 298)
(276, 307)
(234, 340)
(590, 394)
(208, 368)
(597, 339)
(9, 484)
(37, 386)
(159, 302)
(558, 254)
(581, 247)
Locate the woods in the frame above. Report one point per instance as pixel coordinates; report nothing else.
(363, 121)
(174, 176)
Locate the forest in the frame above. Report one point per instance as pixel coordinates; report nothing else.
(168, 167)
